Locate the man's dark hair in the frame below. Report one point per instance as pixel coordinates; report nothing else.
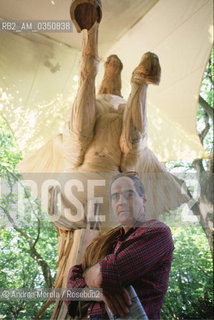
(134, 177)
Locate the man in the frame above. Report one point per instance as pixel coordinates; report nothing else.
(141, 255)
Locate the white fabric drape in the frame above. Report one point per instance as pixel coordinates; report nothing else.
(38, 83)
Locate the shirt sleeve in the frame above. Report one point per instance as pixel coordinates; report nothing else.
(75, 279)
(136, 257)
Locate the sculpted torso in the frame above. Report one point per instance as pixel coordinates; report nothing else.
(104, 153)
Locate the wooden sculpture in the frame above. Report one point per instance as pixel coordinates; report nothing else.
(106, 134)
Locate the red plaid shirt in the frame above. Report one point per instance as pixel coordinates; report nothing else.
(141, 257)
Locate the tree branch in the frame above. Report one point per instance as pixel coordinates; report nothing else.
(24, 234)
(204, 132)
(33, 211)
(209, 70)
(206, 107)
(33, 252)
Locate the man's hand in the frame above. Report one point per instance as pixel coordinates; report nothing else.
(92, 276)
(118, 303)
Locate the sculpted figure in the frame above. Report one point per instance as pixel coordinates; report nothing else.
(107, 134)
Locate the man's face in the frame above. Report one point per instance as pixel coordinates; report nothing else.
(126, 202)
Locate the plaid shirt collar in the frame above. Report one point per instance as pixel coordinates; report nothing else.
(122, 235)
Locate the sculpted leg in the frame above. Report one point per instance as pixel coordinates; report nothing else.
(111, 82)
(134, 132)
(79, 128)
(148, 70)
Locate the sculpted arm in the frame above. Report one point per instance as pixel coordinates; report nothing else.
(78, 132)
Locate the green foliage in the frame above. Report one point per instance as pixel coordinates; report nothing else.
(9, 153)
(208, 81)
(190, 292)
(207, 92)
(18, 268)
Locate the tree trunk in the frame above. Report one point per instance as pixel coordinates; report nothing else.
(206, 181)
